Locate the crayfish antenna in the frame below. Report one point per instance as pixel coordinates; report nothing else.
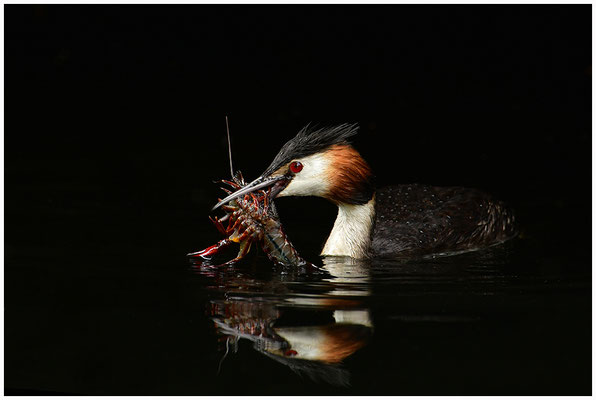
(229, 147)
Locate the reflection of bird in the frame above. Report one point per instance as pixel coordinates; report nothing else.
(403, 220)
(314, 350)
(328, 343)
(317, 351)
(312, 335)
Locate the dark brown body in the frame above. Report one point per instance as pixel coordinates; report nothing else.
(416, 220)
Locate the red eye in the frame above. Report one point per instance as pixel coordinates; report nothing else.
(296, 167)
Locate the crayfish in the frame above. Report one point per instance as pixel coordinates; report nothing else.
(252, 218)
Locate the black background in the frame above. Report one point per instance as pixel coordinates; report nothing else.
(115, 129)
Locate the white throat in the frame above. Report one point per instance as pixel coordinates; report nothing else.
(351, 232)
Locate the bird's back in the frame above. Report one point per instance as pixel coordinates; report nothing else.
(414, 220)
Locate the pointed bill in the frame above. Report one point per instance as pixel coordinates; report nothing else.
(257, 184)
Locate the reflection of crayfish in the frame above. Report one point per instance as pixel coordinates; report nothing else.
(252, 218)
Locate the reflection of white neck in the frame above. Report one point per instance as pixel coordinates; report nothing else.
(356, 317)
(350, 235)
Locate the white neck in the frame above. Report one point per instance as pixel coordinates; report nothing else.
(350, 235)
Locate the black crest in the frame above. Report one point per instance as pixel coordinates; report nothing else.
(310, 141)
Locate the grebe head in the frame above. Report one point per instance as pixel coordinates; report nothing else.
(319, 163)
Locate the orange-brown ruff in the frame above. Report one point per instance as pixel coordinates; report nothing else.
(351, 171)
(342, 340)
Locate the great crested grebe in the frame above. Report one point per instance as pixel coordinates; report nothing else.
(395, 221)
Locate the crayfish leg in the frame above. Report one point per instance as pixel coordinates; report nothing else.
(211, 250)
(239, 179)
(244, 249)
(230, 183)
(265, 203)
(235, 227)
(218, 224)
(255, 202)
(241, 237)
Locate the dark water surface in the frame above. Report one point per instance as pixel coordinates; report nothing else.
(107, 303)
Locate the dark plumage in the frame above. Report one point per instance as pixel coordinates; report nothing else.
(310, 141)
(418, 219)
